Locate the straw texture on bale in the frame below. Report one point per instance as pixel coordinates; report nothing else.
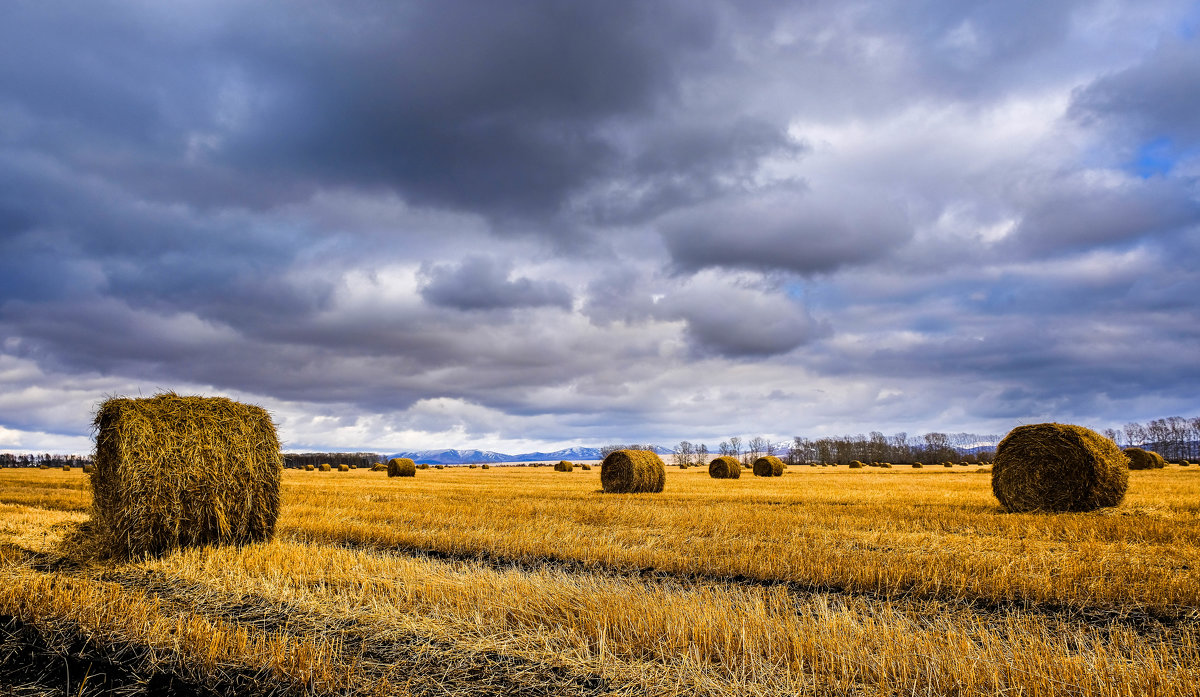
(855, 464)
(564, 466)
(401, 467)
(632, 472)
(768, 466)
(174, 471)
(1058, 467)
(725, 467)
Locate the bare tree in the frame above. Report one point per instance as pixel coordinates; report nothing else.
(755, 448)
(735, 447)
(1135, 434)
(702, 454)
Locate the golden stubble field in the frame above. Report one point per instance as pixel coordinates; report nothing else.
(826, 581)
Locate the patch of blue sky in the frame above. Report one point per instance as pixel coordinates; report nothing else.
(1155, 158)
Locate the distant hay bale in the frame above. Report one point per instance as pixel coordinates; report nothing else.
(585, 467)
(1182, 463)
(309, 468)
(768, 466)
(485, 466)
(725, 467)
(66, 468)
(379, 467)
(174, 471)
(947, 464)
(917, 465)
(88, 469)
(325, 467)
(855, 465)
(682, 466)
(423, 466)
(1141, 459)
(470, 466)
(1058, 467)
(564, 466)
(632, 472)
(440, 467)
(401, 467)
(343, 468)
(886, 465)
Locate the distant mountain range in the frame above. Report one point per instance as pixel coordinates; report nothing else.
(464, 457)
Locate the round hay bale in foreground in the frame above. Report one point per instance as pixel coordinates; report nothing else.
(768, 466)
(564, 466)
(174, 471)
(725, 467)
(1058, 467)
(325, 467)
(633, 472)
(401, 467)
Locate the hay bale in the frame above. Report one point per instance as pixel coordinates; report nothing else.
(66, 468)
(564, 466)
(440, 467)
(88, 469)
(1058, 467)
(725, 467)
(947, 464)
(470, 466)
(343, 468)
(768, 466)
(585, 467)
(855, 465)
(325, 467)
(1140, 459)
(682, 466)
(423, 466)
(378, 467)
(173, 471)
(886, 465)
(485, 466)
(632, 472)
(401, 467)
(1182, 463)
(309, 468)
(917, 465)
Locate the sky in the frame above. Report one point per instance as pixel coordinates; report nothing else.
(536, 224)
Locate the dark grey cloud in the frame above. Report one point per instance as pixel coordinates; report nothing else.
(1081, 214)
(484, 283)
(737, 322)
(1155, 98)
(795, 230)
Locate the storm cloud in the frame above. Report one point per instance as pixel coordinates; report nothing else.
(533, 224)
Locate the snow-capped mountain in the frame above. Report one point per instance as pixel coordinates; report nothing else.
(451, 456)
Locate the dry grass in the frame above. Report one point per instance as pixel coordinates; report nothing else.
(822, 581)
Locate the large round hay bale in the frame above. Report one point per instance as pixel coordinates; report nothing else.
(173, 471)
(324, 467)
(1058, 467)
(632, 472)
(401, 467)
(856, 465)
(564, 466)
(343, 468)
(725, 467)
(768, 466)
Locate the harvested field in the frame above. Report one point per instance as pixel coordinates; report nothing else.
(822, 581)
